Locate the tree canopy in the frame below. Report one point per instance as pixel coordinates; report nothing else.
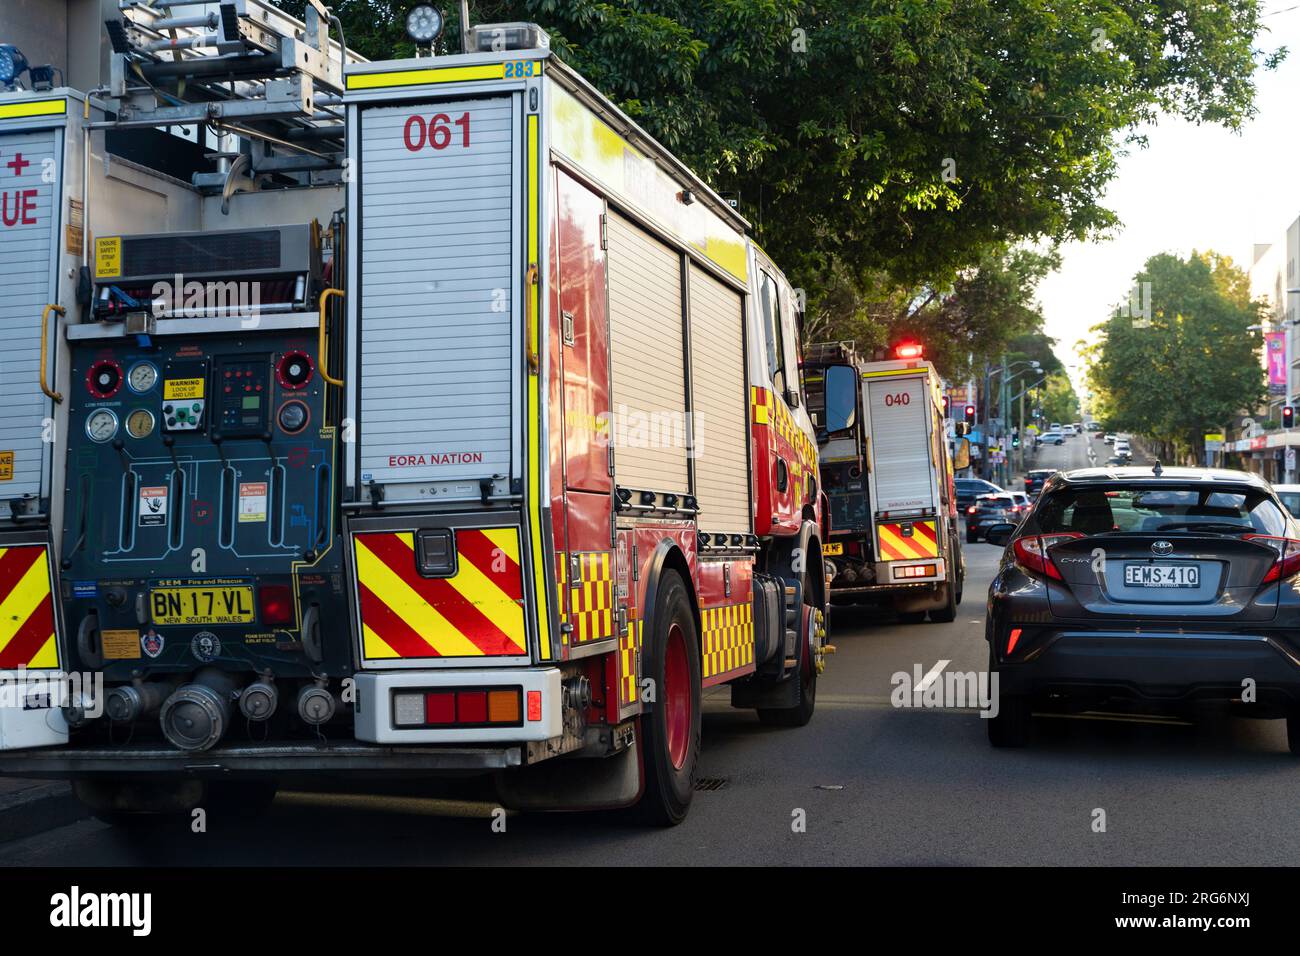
(1188, 363)
(890, 152)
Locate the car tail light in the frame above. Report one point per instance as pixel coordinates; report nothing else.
(462, 707)
(1288, 555)
(1031, 552)
(1012, 639)
(971, 510)
(275, 604)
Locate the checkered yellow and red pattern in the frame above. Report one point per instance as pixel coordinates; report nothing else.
(591, 597)
(629, 648)
(728, 638)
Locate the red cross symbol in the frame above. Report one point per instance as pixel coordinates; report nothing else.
(18, 164)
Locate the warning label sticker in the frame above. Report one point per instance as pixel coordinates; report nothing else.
(153, 506)
(120, 645)
(180, 388)
(108, 257)
(6, 466)
(252, 501)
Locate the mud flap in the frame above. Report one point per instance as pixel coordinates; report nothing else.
(573, 783)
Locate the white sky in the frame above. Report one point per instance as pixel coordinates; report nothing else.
(1193, 187)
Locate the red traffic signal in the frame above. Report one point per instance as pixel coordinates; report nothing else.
(909, 350)
(1288, 416)
(970, 414)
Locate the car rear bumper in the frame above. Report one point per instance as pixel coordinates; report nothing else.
(1154, 665)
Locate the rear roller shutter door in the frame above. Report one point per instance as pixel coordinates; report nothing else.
(649, 375)
(27, 243)
(720, 407)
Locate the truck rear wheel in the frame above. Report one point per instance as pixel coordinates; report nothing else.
(947, 613)
(670, 730)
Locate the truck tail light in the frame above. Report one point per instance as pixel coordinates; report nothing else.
(463, 707)
(275, 604)
(1031, 553)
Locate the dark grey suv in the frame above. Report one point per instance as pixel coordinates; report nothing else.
(1149, 585)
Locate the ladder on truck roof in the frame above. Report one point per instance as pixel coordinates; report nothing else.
(243, 68)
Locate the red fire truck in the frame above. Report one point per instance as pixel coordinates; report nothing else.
(583, 483)
(544, 391)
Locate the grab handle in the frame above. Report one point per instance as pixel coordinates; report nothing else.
(45, 331)
(321, 352)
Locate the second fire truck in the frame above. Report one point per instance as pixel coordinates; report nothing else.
(520, 466)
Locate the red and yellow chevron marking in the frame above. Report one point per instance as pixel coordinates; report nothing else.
(629, 648)
(561, 578)
(895, 544)
(767, 410)
(591, 597)
(728, 638)
(478, 612)
(26, 609)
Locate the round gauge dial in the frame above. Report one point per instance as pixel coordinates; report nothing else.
(104, 379)
(142, 377)
(139, 424)
(101, 425)
(293, 417)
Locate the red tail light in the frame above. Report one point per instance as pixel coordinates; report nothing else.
(971, 510)
(1288, 555)
(1031, 552)
(275, 604)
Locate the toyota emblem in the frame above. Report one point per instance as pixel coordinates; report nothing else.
(1162, 547)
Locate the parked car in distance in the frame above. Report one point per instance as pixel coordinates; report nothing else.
(1051, 438)
(968, 489)
(1148, 589)
(1034, 480)
(1289, 495)
(1122, 449)
(1054, 427)
(1093, 427)
(1068, 430)
(1109, 438)
(988, 510)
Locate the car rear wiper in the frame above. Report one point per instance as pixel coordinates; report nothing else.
(1205, 525)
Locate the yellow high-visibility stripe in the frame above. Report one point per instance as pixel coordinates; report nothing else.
(896, 543)
(35, 108)
(505, 539)
(495, 604)
(537, 461)
(419, 614)
(444, 74)
(376, 647)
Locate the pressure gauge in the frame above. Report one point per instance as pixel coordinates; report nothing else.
(101, 426)
(293, 417)
(139, 424)
(143, 377)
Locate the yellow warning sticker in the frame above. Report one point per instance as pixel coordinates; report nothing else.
(180, 388)
(108, 257)
(6, 466)
(121, 645)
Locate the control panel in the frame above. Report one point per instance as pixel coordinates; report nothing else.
(199, 517)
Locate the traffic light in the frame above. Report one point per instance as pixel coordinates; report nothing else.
(970, 414)
(1015, 440)
(1288, 416)
(945, 406)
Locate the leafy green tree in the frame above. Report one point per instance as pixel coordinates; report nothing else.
(892, 154)
(1192, 365)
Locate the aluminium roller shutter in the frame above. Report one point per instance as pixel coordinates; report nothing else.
(649, 367)
(720, 406)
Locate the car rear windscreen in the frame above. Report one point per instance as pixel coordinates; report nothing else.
(1291, 499)
(1139, 509)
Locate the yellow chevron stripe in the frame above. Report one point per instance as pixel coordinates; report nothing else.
(484, 593)
(895, 542)
(376, 647)
(26, 596)
(422, 617)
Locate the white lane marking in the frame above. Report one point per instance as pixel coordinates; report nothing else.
(930, 677)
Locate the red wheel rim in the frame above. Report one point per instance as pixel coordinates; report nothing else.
(677, 697)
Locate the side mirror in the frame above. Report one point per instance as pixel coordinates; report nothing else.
(792, 397)
(999, 534)
(840, 388)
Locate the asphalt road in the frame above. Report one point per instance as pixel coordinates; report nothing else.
(874, 783)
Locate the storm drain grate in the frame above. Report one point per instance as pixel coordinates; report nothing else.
(711, 783)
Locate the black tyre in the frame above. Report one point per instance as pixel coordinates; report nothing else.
(1293, 731)
(800, 714)
(948, 613)
(911, 617)
(1011, 726)
(670, 730)
(972, 537)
